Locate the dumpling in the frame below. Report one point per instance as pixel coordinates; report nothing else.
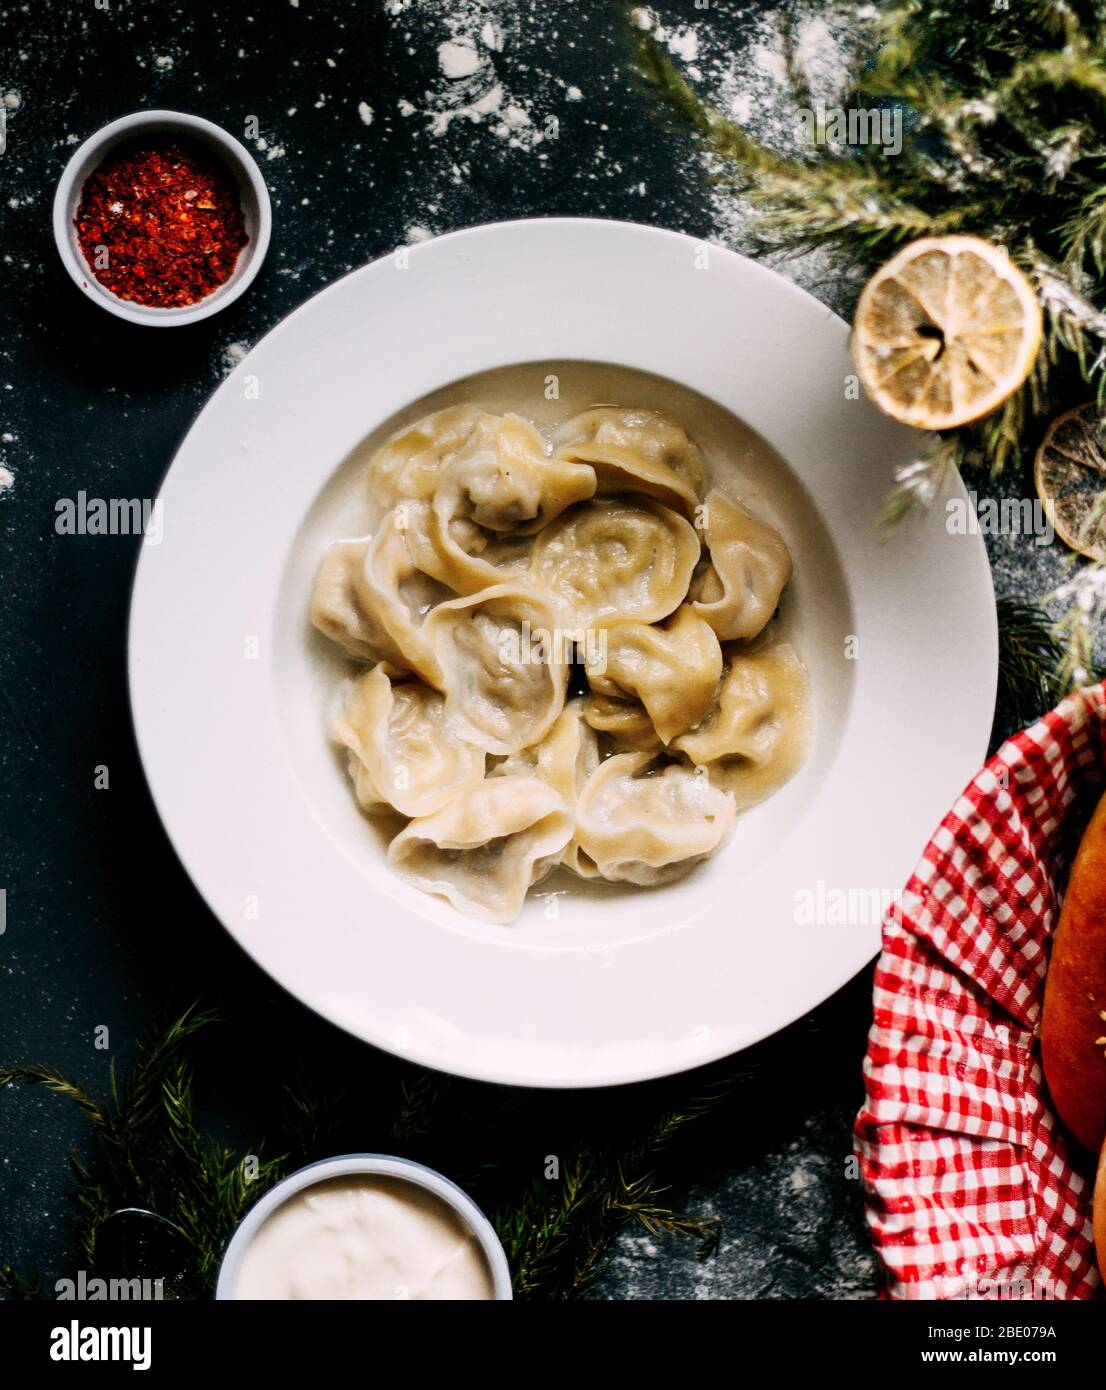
(504, 686)
(640, 823)
(498, 485)
(625, 722)
(402, 753)
(450, 551)
(486, 846)
(335, 607)
(502, 479)
(406, 466)
(756, 735)
(750, 565)
(615, 560)
(635, 450)
(509, 555)
(564, 760)
(396, 597)
(673, 670)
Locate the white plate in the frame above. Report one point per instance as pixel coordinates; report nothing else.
(228, 682)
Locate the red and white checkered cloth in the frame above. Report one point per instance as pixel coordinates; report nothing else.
(973, 1188)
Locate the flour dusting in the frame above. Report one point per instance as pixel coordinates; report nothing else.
(751, 83)
(471, 89)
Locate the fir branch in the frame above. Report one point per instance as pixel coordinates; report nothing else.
(1030, 655)
(836, 197)
(1083, 598)
(657, 1220)
(920, 482)
(153, 1154)
(420, 1097)
(558, 1233)
(14, 1287)
(61, 1085)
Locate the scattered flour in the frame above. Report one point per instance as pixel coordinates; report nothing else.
(12, 101)
(164, 61)
(458, 58)
(233, 353)
(365, 111)
(471, 88)
(7, 480)
(491, 36)
(750, 83)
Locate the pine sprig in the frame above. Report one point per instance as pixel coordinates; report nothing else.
(1030, 656)
(152, 1155)
(558, 1232)
(13, 1286)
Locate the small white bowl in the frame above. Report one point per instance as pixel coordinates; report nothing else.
(376, 1165)
(232, 155)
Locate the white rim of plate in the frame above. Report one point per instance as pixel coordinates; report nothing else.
(211, 739)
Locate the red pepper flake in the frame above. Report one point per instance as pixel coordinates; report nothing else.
(160, 224)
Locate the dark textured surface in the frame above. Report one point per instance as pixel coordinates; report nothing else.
(103, 927)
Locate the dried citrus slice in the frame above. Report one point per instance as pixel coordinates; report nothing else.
(1070, 473)
(945, 331)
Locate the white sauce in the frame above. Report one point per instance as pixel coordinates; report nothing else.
(364, 1237)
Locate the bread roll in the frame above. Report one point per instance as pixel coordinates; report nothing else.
(1073, 1031)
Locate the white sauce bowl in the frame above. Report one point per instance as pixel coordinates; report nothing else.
(366, 1165)
(230, 154)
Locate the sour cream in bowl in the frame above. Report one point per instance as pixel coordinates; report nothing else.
(365, 1227)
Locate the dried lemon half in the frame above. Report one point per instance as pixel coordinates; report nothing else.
(1070, 473)
(945, 331)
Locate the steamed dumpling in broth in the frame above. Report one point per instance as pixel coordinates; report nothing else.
(486, 847)
(749, 567)
(644, 823)
(625, 722)
(673, 670)
(407, 466)
(503, 686)
(335, 602)
(502, 479)
(635, 450)
(756, 736)
(403, 756)
(371, 603)
(499, 485)
(615, 560)
(397, 597)
(564, 760)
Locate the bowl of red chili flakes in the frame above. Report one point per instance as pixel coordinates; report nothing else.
(162, 218)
